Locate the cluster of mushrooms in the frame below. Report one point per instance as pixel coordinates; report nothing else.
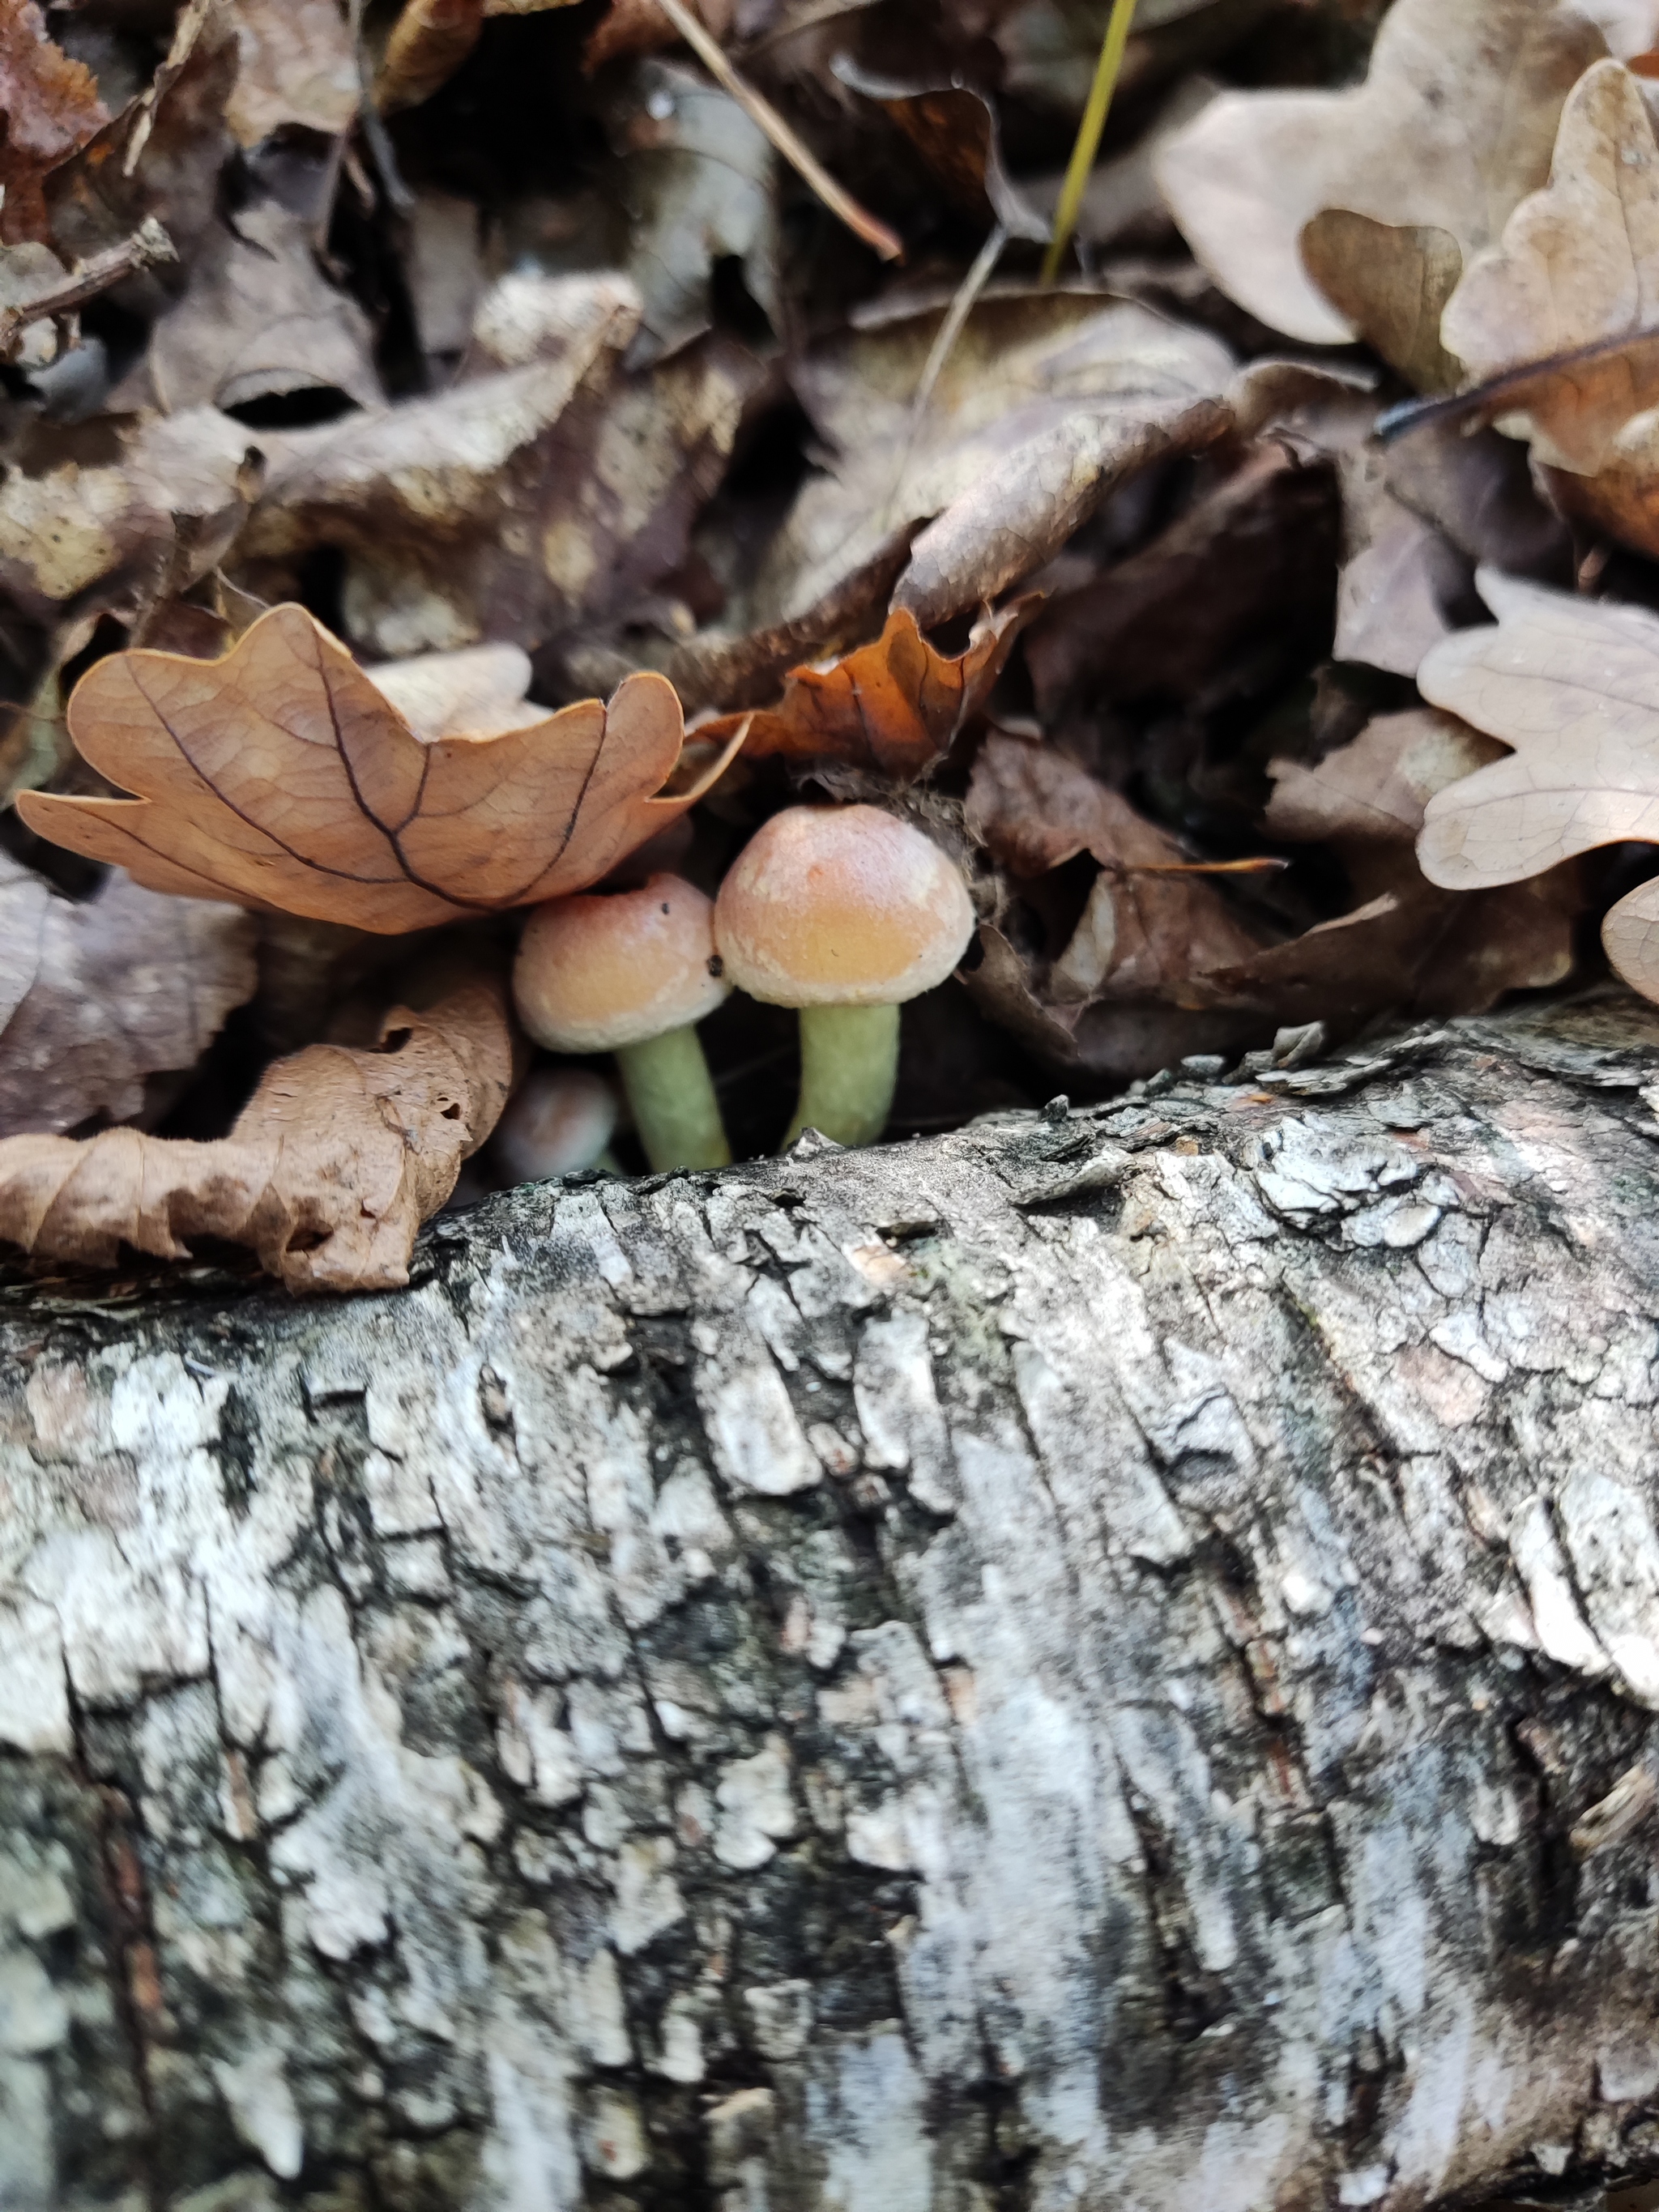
(842, 912)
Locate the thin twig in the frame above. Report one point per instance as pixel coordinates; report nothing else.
(376, 137)
(147, 246)
(1088, 135)
(794, 150)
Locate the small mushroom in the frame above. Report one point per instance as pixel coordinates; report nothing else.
(632, 973)
(844, 912)
(558, 1120)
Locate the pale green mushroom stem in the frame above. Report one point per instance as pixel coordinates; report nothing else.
(849, 1069)
(676, 1114)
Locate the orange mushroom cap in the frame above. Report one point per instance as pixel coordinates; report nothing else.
(600, 971)
(830, 906)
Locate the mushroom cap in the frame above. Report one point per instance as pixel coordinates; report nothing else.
(598, 971)
(841, 906)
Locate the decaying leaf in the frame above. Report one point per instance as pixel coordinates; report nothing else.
(1572, 685)
(953, 126)
(51, 105)
(894, 706)
(1579, 262)
(1405, 944)
(1392, 282)
(639, 26)
(695, 181)
(540, 493)
(280, 777)
(298, 65)
(1045, 402)
(329, 1171)
(96, 996)
(259, 319)
(1147, 929)
(1452, 127)
(1401, 581)
(89, 519)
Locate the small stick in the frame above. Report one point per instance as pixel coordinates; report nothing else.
(1088, 134)
(147, 246)
(800, 157)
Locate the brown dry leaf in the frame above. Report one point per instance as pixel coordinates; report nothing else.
(51, 106)
(953, 126)
(1047, 401)
(1572, 684)
(894, 706)
(102, 516)
(298, 65)
(96, 996)
(1392, 280)
(1141, 934)
(1579, 262)
(280, 777)
(259, 319)
(1451, 129)
(429, 41)
(531, 499)
(1407, 945)
(328, 1173)
(1401, 580)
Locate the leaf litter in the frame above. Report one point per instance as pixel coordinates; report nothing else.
(458, 454)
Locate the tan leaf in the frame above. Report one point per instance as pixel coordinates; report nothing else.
(279, 776)
(1572, 684)
(894, 706)
(51, 106)
(639, 26)
(1579, 262)
(298, 65)
(1452, 127)
(1045, 402)
(329, 1171)
(1399, 575)
(429, 41)
(95, 996)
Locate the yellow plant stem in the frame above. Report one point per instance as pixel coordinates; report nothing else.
(1088, 135)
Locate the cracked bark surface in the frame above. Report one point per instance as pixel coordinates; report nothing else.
(1096, 1662)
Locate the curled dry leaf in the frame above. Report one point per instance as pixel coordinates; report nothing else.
(51, 106)
(329, 1171)
(953, 126)
(1452, 127)
(894, 706)
(1047, 401)
(639, 26)
(96, 996)
(429, 41)
(280, 776)
(1578, 263)
(1572, 685)
(1400, 578)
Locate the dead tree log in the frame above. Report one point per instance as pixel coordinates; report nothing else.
(1096, 1662)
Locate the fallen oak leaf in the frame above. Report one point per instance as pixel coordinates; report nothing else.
(894, 705)
(95, 995)
(1451, 127)
(279, 776)
(1576, 268)
(327, 1174)
(1572, 685)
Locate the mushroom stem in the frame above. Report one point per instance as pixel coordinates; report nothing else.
(848, 1068)
(676, 1113)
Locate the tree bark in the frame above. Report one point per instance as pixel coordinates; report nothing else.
(1102, 1661)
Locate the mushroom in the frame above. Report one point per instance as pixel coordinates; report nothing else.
(558, 1120)
(844, 912)
(632, 973)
